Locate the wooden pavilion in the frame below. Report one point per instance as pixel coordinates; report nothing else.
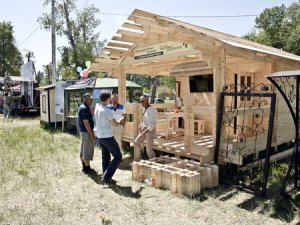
(203, 61)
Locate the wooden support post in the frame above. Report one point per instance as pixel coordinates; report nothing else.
(188, 129)
(122, 86)
(219, 67)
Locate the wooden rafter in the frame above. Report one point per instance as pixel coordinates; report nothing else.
(119, 53)
(131, 39)
(120, 45)
(133, 26)
(129, 33)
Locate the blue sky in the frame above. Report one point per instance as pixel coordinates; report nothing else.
(23, 15)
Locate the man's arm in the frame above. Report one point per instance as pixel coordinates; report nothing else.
(114, 122)
(112, 119)
(89, 130)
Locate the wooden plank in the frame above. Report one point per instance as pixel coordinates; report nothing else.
(133, 26)
(119, 53)
(130, 39)
(121, 45)
(129, 33)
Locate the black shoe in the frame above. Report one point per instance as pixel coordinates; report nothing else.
(113, 181)
(109, 182)
(88, 170)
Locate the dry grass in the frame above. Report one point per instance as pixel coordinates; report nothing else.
(41, 183)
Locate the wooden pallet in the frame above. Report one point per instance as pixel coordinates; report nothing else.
(178, 176)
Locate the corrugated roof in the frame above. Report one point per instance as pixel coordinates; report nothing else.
(88, 83)
(17, 79)
(46, 87)
(112, 83)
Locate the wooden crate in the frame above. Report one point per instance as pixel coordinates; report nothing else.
(178, 176)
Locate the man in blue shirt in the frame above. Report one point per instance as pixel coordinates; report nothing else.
(119, 113)
(104, 122)
(87, 136)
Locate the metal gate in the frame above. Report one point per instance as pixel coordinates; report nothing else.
(244, 134)
(288, 84)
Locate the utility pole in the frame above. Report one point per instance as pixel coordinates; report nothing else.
(53, 40)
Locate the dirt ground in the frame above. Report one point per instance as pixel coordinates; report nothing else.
(42, 183)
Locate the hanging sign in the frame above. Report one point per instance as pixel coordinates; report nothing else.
(164, 48)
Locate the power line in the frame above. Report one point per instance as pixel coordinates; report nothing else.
(210, 16)
(123, 14)
(29, 35)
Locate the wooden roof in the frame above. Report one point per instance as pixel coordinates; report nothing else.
(145, 28)
(292, 73)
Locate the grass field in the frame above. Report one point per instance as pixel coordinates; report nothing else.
(42, 183)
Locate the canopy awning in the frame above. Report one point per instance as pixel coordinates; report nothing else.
(113, 83)
(88, 83)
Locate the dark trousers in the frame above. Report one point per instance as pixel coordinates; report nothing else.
(109, 146)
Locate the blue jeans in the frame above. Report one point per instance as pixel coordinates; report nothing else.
(109, 146)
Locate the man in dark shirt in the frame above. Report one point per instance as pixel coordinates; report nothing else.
(87, 136)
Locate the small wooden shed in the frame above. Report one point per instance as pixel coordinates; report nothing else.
(47, 105)
(203, 61)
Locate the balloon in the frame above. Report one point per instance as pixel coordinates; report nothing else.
(81, 73)
(85, 73)
(88, 64)
(79, 69)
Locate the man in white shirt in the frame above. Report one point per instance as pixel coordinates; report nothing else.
(147, 130)
(119, 114)
(104, 122)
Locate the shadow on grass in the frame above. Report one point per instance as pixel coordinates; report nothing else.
(125, 191)
(221, 192)
(284, 208)
(126, 162)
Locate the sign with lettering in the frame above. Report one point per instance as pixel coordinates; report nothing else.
(60, 97)
(164, 48)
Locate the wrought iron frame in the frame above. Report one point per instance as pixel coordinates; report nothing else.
(291, 96)
(260, 90)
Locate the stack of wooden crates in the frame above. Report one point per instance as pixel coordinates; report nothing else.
(185, 177)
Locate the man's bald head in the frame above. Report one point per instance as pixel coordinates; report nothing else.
(144, 100)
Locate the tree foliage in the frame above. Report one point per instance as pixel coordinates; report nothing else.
(278, 27)
(166, 84)
(10, 56)
(78, 26)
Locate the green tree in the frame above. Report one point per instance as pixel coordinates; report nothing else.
(10, 56)
(78, 26)
(39, 77)
(278, 27)
(168, 81)
(29, 56)
(47, 74)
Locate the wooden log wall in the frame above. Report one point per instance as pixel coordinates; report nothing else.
(201, 104)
